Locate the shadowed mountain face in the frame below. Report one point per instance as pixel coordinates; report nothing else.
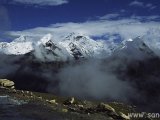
(27, 73)
(133, 81)
(143, 76)
(130, 74)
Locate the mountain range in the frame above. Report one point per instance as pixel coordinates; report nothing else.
(74, 46)
(77, 65)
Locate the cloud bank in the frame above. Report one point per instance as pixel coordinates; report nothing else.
(41, 2)
(136, 3)
(92, 79)
(104, 28)
(142, 4)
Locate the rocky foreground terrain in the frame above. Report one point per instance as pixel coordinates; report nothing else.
(27, 105)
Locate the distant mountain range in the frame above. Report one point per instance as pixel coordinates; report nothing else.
(73, 46)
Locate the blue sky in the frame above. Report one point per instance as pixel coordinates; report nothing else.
(24, 16)
(40, 16)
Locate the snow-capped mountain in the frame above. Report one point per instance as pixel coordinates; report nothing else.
(137, 44)
(49, 50)
(22, 38)
(16, 48)
(83, 46)
(74, 46)
(134, 49)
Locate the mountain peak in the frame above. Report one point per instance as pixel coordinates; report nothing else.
(46, 38)
(74, 36)
(135, 49)
(22, 38)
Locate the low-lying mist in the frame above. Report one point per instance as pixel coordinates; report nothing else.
(112, 79)
(93, 79)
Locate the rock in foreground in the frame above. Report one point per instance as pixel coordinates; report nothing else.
(6, 83)
(44, 106)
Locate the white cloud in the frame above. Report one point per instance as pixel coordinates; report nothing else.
(122, 10)
(110, 16)
(136, 3)
(126, 28)
(41, 2)
(150, 6)
(146, 18)
(141, 4)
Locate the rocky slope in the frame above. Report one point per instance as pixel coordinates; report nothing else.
(26, 105)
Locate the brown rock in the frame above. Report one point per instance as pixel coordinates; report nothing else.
(31, 93)
(13, 87)
(105, 107)
(124, 116)
(53, 102)
(81, 106)
(27, 92)
(14, 91)
(69, 101)
(64, 110)
(6, 83)
(40, 97)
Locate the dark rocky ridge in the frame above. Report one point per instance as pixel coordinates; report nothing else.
(27, 105)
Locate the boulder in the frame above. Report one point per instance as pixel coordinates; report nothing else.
(6, 83)
(64, 110)
(105, 107)
(52, 101)
(124, 116)
(69, 101)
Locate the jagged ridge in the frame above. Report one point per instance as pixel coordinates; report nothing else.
(74, 46)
